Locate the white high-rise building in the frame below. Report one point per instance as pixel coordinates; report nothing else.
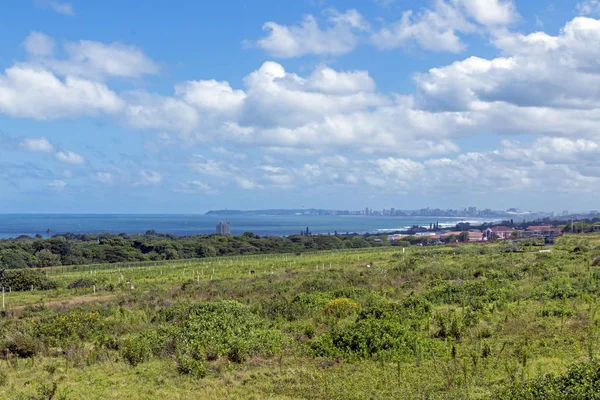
(223, 228)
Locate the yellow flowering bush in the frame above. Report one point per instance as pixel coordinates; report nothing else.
(80, 324)
(341, 307)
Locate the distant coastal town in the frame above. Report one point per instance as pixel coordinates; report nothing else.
(471, 211)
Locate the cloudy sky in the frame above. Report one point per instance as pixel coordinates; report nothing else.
(179, 106)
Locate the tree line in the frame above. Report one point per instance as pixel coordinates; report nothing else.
(79, 249)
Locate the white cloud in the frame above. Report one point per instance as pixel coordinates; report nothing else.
(246, 184)
(280, 180)
(104, 177)
(58, 6)
(89, 59)
(211, 96)
(547, 164)
(194, 187)
(39, 45)
(150, 177)
(548, 81)
(31, 92)
(545, 84)
(338, 38)
(41, 144)
(384, 3)
(433, 29)
(148, 111)
(439, 28)
(588, 7)
(57, 185)
(490, 13)
(70, 157)
(208, 167)
(269, 168)
(229, 154)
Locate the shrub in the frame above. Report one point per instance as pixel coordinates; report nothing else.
(81, 283)
(450, 324)
(238, 351)
(24, 279)
(141, 348)
(225, 328)
(21, 343)
(582, 381)
(187, 365)
(367, 338)
(59, 328)
(340, 308)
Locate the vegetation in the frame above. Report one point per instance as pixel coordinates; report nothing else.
(81, 249)
(468, 321)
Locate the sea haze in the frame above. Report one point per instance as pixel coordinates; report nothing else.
(14, 225)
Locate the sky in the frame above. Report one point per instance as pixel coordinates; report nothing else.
(184, 107)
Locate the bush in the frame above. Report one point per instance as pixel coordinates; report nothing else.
(140, 348)
(187, 365)
(367, 338)
(340, 308)
(582, 381)
(225, 328)
(81, 283)
(59, 329)
(22, 344)
(24, 279)
(238, 351)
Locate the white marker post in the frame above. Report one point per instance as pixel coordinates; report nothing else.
(3, 297)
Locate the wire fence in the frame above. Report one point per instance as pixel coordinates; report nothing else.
(59, 270)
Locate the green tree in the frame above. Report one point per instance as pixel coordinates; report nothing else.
(45, 258)
(16, 258)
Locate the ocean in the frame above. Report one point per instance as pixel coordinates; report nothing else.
(14, 225)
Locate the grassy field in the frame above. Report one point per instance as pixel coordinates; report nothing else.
(470, 321)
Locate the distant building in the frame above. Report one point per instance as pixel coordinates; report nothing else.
(499, 232)
(223, 228)
(543, 230)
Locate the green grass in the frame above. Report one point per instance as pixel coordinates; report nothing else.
(471, 321)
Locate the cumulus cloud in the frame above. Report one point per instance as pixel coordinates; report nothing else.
(565, 165)
(33, 92)
(307, 37)
(432, 29)
(588, 7)
(194, 187)
(89, 59)
(439, 28)
(39, 45)
(70, 157)
(545, 84)
(546, 80)
(41, 144)
(149, 177)
(228, 154)
(57, 6)
(246, 184)
(104, 177)
(57, 185)
(491, 13)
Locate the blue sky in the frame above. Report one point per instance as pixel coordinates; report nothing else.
(180, 107)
